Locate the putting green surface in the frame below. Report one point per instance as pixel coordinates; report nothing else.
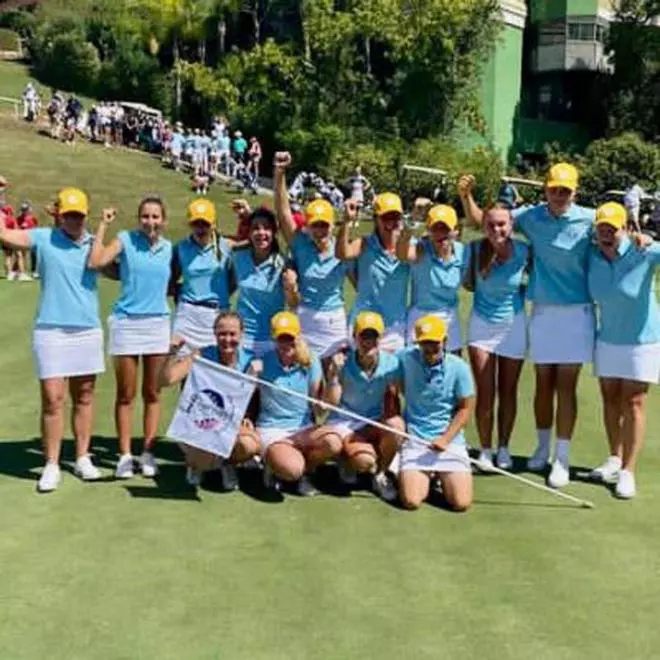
(145, 569)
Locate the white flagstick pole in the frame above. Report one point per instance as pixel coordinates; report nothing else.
(383, 427)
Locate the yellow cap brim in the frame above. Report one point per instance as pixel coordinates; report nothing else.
(206, 220)
(431, 337)
(451, 226)
(62, 210)
(359, 331)
(611, 223)
(319, 221)
(570, 185)
(285, 332)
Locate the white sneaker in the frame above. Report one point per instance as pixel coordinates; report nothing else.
(148, 465)
(559, 475)
(124, 468)
(347, 475)
(625, 486)
(503, 459)
(383, 485)
(485, 460)
(24, 277)
(50, 478)
(35, 275)
(608, 472)
(86, 470)
(271, 482)
(193, 478)
(229, 476)
(306, 487)
(539, 459)
(11, 276)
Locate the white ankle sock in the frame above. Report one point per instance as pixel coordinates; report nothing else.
(562, 450)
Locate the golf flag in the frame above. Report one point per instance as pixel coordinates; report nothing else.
(210, 409)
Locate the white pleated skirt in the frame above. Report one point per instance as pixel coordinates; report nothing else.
(508, 339)
(562, 334)
(68, 352)
(270, 436)
(394, 339)
(194, 323)
(420, 457)
(640, 363)
(257, 348)
(325, 332)
(450, 317)
(144, 335)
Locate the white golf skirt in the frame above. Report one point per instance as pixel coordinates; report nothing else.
(562, 334)
(420, 457)
(344, 427)
(640, 363)
(507, 339)
(194, 323)
(450, 317)
(67, 352)
(394, 338)
(256, 347)
(269, 436)
(144, 335)
(325, 332)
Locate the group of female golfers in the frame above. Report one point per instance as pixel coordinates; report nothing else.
(392, 363)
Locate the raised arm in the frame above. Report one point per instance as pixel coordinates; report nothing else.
(347, 248)
(176, 368)
(405, 251)
(101, 256)
(291, 291)
(14, 238)
(472, 211)
(333, 389)
(282, 207)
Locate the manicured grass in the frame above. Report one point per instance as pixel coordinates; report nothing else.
(144, 570)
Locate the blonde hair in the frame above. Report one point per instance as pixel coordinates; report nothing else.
(303, 354)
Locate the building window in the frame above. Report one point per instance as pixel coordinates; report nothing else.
(582, 31)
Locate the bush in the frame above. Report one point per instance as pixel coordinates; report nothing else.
(71, 64)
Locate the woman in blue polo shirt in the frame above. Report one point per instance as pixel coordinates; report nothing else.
(438, 264)
(381, 278)
(200, 272)
(365, 383)
(139, 325)
(226, 350)
(627, 357)
(292, 446)
(559, 232)
(439, 394)
(315, 284)
(497, 267)
(67, 339)
(256, 273)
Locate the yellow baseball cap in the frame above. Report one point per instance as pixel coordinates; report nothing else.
(369, 321)
(320, 210)
(285, 323)
(430, 328)
(387, 203)
(444, 214)
(612, 214)
(72, 200)
(563, 175)
(201, 209)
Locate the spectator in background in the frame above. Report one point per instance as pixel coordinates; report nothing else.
(358, 185)
(224, 153)
(26, 220)
(239, 147)
(254, 157)
(10, 223)
(508, 196)
(632, 200)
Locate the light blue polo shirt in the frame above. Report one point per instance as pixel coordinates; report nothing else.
(283, 411)
(320, 276)
(177, 142)
(260, 291)
(204, 271)
(68, 296)
(212, 354)
(363, 394)
(561, 245)
(500, 296)
(224, 143)
(623, 291)
(382, 283)
(432, 393)
(435, 282)
(144, 272)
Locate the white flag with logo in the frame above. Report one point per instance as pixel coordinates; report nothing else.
(211, 408)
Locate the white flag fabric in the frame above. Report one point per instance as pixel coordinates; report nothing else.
(211, 408)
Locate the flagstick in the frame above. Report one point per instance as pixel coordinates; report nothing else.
(384, 427)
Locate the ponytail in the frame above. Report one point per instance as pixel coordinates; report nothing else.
(303, 354)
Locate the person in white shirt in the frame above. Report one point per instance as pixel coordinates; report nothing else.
(632, 200)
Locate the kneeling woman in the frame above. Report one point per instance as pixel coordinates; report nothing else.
(227, 350)
(365, 383)
(291, 444)
(627, 357)
(67, 340)
(439, 396)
